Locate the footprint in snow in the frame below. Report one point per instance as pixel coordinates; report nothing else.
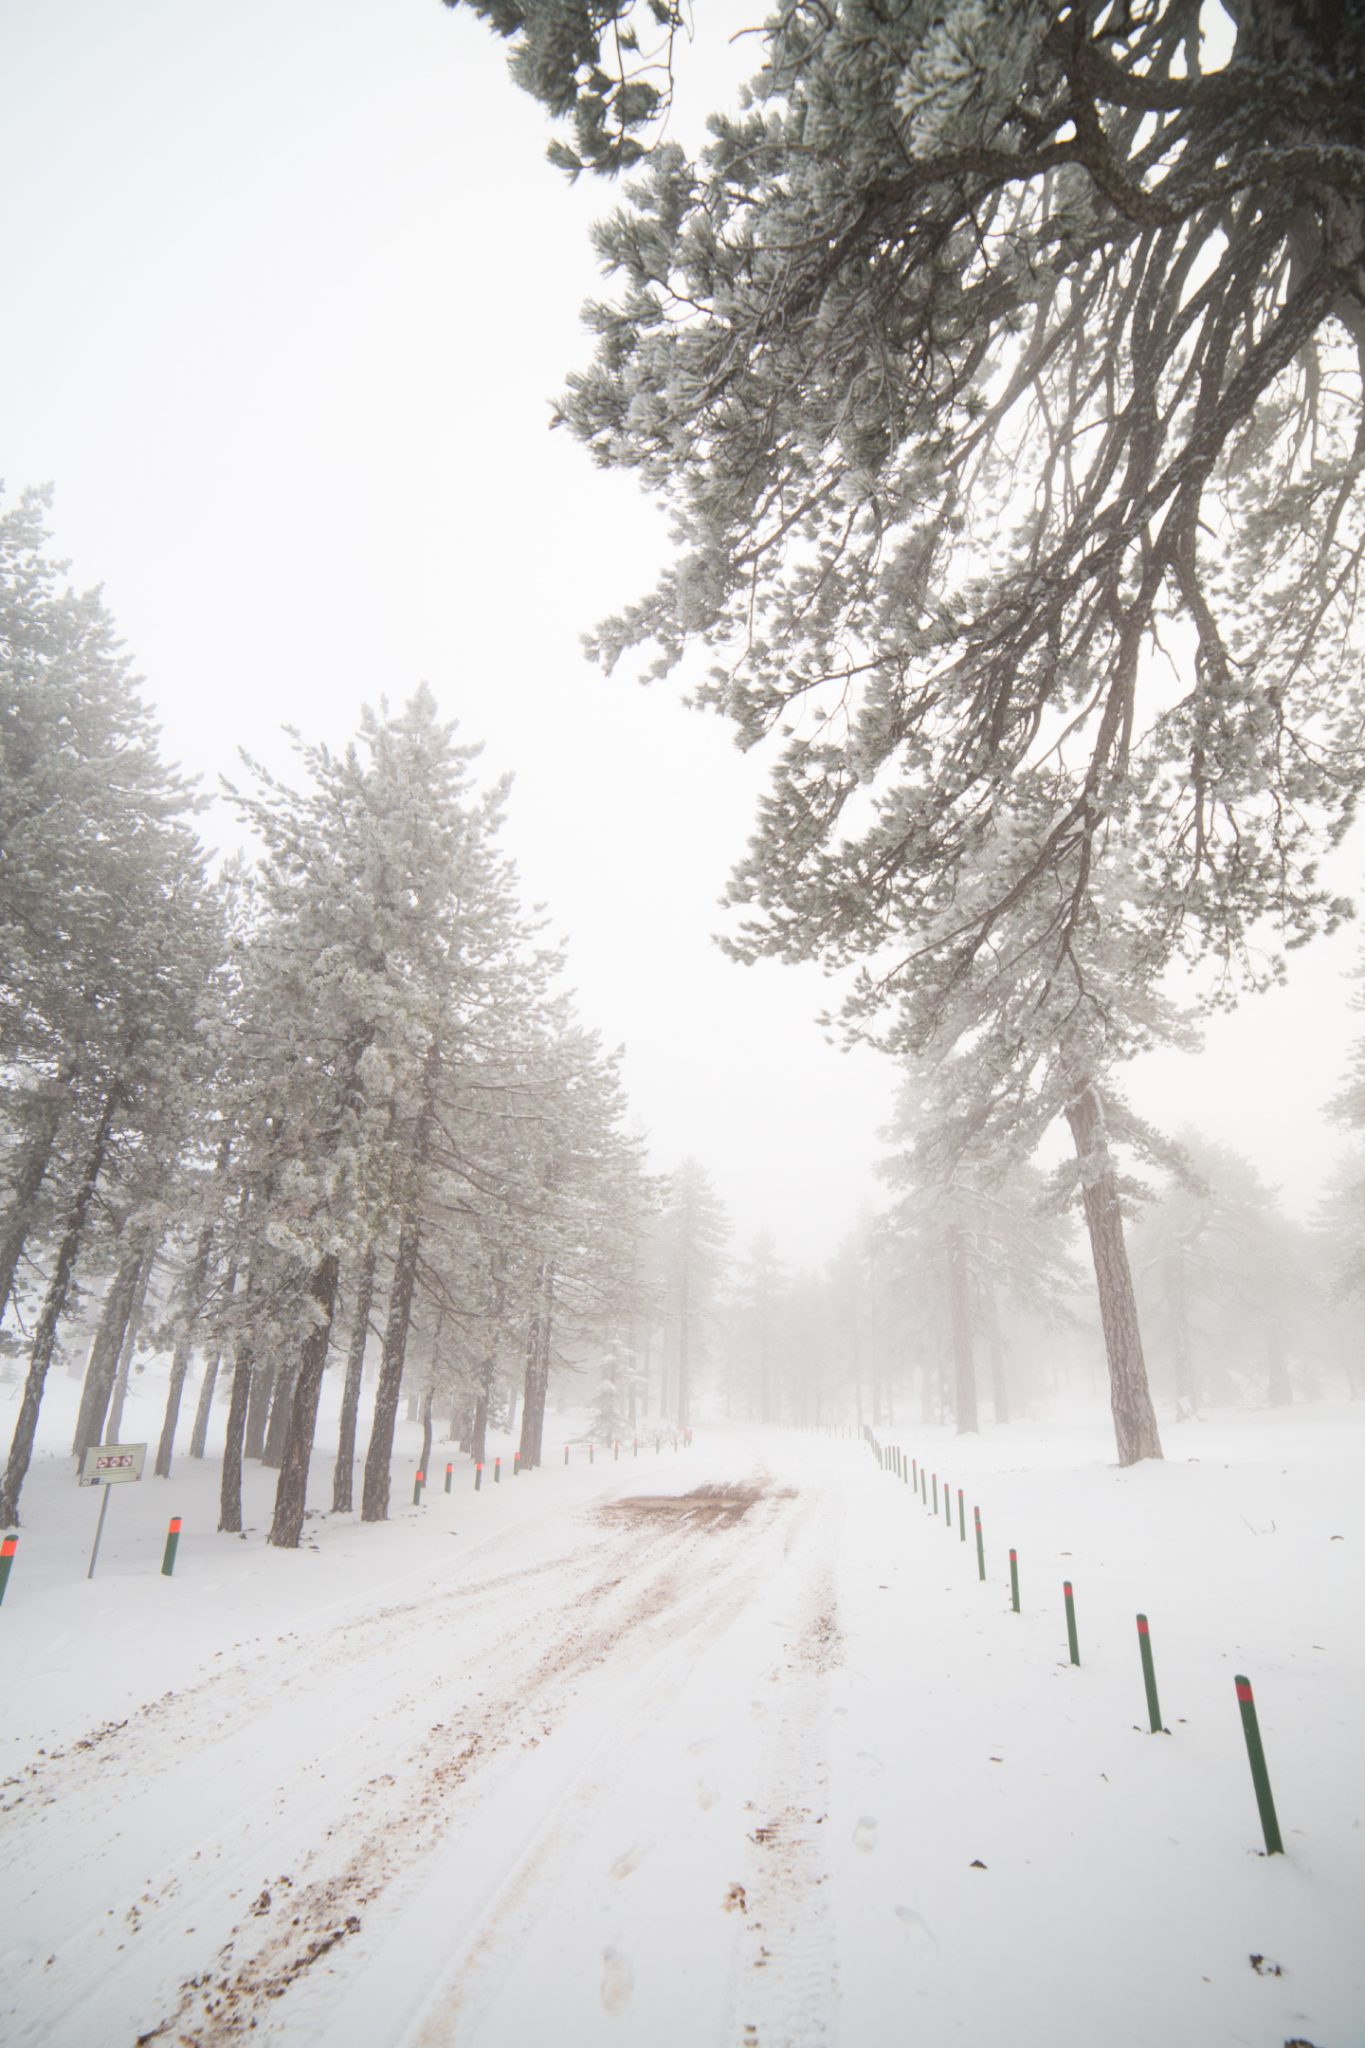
(631, 1860)
(618, 1980)
(919, 1935)
(865, 1834)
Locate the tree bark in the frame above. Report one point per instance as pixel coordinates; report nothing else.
(1130, 1399)
(344, 1475)
(960, 1314)
(374, 1499)
(291, 1493)
(230, 1498)
(45, 1336)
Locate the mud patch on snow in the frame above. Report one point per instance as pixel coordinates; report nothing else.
(706, 1507)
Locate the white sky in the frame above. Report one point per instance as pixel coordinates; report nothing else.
(288, 288)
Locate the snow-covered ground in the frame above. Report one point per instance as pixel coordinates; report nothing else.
(704, 1749)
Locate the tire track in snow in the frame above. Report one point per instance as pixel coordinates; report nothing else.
(784, 1984)
(653, 1589)
(308, 1798)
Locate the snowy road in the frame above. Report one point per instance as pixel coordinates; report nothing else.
(756, 1762)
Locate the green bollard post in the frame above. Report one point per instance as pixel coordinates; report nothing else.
(417, 1485)
(1071, 1642)
(497, 1470)
(961, 1517)
(923, 1486)
(7, 1550)
(1260, 1777)
(172, 1545)
(935, 1493)
(478, 1477)
(980, 1546)
(1014, 1582)
(914, 1473)
(450, 1473)
(947, 1506)
(516, 1464)
(1149, 1674)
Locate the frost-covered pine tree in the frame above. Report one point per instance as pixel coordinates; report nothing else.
(108, 938)
(1001, 366)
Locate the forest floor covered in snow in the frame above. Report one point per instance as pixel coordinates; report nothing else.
(727, 1747)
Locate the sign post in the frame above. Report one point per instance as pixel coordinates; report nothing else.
(106, 1465)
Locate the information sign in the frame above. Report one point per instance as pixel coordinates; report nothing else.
(110, 1464)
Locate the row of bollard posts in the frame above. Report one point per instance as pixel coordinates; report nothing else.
(893, 1459)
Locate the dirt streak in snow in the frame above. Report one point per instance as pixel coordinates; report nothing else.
(396, 1818)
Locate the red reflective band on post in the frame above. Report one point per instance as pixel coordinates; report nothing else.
(175, 1525)
(1142, 1630)
(1243, 1690)
(9, 1546)
(1066, 1585)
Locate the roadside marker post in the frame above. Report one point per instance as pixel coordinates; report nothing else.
(418, 1483)
(1014, 1581)
(948, 1507)
(478, 1477)
(1260, 1777)
(980, 1545)
(961, 1517)
(1149, 1674)
(516, 1464)
(1071, 1642)
(590, 1452)
(172, 1545)
(449, 1474)
(935, 1493)
(7, 1550)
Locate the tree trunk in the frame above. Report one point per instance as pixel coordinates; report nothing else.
(343, 1476)
(192, 1300)
(1177, 1300)
(1279, 1391)
(199, 1436)
(28, 1182)
(258, 1410)
(184, 1344)
(291, 1494)
(537, 1371)
(130, 1336)
(1000, 1393)
(45, 1336)
(425, 1467)
(284, 1382)
(685, 1349)
(374, 1500)
(960, 1315)
(1130, 1399)
(102, 1364)
(230, 1499)
(478, 1437)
